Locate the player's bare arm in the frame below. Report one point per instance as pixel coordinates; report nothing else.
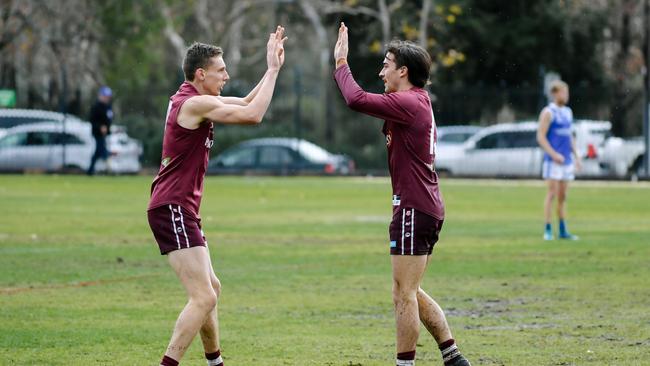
(574, 149)
(247, 99)
(544, 124)
(249, 110)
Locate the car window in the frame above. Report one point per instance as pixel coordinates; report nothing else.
(275, 155)
(38, 138)
(454, 138)
(16, 139)
(65, 138)
(492, 141)
(521, 139)
(244, 156)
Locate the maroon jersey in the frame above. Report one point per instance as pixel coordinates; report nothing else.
(185, 156)
(411, 136)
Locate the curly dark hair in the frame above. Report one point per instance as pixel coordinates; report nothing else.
(198, 56)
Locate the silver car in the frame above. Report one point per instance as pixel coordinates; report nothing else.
(450, 145)
(511, 150)
(53, 146)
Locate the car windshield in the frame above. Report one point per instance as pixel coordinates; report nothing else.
(313, 152)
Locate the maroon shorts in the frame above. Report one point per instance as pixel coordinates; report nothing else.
(413, 232)
(175, 228)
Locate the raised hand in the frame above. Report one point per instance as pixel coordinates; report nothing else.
(341, 48)
(275, 49)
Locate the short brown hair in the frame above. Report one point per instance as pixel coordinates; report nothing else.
(198, 56)
(556, 85)
(416, 59)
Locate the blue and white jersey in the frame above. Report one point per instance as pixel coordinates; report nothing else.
(560, 131)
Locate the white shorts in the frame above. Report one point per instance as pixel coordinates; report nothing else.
(554, 171)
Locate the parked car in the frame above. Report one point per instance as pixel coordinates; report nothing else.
(55, 146)
(455, 135)
(511, 150)
(12, 117)
(279, 156)
(623, 158)
(450, 143)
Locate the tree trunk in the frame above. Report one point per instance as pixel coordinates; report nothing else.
(424, 22)
(619, 112)
(324, 66)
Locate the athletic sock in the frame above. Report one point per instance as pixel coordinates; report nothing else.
(449, 351)
(168, 361)
(406, 359)
(563, 231)
(214, 359)
(547, 227)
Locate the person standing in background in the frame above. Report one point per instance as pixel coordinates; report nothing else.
(561, 159)
(101, 117)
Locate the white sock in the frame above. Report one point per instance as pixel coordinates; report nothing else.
(216, 362)
(405, 362)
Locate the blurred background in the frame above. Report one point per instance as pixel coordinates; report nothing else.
(492, 62)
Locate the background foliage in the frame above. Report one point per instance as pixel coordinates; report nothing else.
(491, 60)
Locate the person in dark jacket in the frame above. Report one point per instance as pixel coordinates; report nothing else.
(101, 117)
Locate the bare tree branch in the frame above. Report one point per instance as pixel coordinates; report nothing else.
(335, 7)
(174, 38)
(424, 22)
(200, 13)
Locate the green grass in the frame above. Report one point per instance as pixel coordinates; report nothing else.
(306, 277)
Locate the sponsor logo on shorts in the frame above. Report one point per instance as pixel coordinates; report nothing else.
(396, 200)
(393, 243)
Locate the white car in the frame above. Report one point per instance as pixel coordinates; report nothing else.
(450, 144)
(511, 150)
(623, 158)
(55, 146)
(456, 135)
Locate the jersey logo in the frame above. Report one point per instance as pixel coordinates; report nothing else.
(165, 161)
(208, 143)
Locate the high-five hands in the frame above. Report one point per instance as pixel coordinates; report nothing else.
(275, 49)
(341, 48)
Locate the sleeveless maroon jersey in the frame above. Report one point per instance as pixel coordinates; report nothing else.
(185, 156)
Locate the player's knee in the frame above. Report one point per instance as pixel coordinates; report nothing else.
(216, 286)
(206, 301)
(402, 294)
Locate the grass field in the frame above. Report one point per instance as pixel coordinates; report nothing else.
(306, 275)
